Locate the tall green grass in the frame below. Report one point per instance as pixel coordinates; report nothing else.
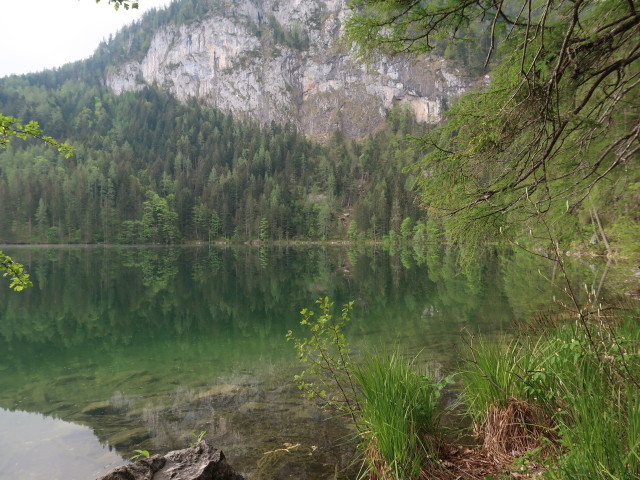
(599, 413)
(400, 408)
(499, 372)
(393, 406)
(585, 377)
(566, 397)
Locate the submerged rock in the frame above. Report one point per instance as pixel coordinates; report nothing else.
(99, 408)
(127, 437)
(200, 462)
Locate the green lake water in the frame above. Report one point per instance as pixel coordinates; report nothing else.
(125, 348)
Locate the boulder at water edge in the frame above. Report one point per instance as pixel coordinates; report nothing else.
(200, 462)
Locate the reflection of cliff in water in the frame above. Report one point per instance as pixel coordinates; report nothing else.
(146, 345)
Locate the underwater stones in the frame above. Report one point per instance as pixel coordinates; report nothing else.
(217, 391)
(222, 395)
(255, 407)
(70, 379)
(200, 462)
(98, 408)
(128, 437)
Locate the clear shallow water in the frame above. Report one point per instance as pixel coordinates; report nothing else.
(136, 348)
(30, 436)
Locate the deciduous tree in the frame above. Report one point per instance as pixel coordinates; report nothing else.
(559, 118)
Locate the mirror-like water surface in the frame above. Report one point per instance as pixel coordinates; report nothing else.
(30, 436)
(136, 348)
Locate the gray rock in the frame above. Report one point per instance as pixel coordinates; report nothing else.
(231, 60)
(200, 462)
(143, 469)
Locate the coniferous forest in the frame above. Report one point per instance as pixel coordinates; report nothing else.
(148, 169)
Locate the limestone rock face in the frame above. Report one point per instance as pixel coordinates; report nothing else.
(283, 61)
(200, 462)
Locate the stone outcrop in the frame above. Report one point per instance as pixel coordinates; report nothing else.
(283, 61)
(200, 462)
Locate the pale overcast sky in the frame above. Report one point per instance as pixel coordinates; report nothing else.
(41, 34)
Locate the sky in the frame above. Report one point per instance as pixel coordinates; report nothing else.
(41, 34)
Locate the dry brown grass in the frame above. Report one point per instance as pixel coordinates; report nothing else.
(507, 434)
(457, 463)
(511, 432)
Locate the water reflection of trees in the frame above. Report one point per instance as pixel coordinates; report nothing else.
(117, 295)
(138, 342)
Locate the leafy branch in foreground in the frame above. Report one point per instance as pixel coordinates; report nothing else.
(121, 3)
(15, 272)
(11, 127)
(326, 356)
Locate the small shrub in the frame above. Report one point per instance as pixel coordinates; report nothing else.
(140, 454)
(394, 408)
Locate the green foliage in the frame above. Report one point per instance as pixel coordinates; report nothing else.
(121, 3)
(296, 38)
(598, 408)
(498, 373)
(264, 229)
(198, 438)
(625, 233)
(159, 220)
(328, 373)
(394, 408)
(221, 176)
(19, 279)
(352, 231)
(140, 454)
(584, 377)
(400, 410)
(11, 127)
(406, 229)
(521, 155)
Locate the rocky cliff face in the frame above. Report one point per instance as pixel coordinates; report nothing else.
(282, 61)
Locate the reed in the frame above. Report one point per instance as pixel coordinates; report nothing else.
(400, 408)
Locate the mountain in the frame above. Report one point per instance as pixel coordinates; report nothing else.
(283, 61)
(201, 122)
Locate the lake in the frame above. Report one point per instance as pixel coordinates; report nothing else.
(122, 348)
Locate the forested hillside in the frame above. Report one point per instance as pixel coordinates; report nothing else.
(150, 169)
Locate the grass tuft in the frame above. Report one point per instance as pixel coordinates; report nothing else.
(572, 391)
(400, 408)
